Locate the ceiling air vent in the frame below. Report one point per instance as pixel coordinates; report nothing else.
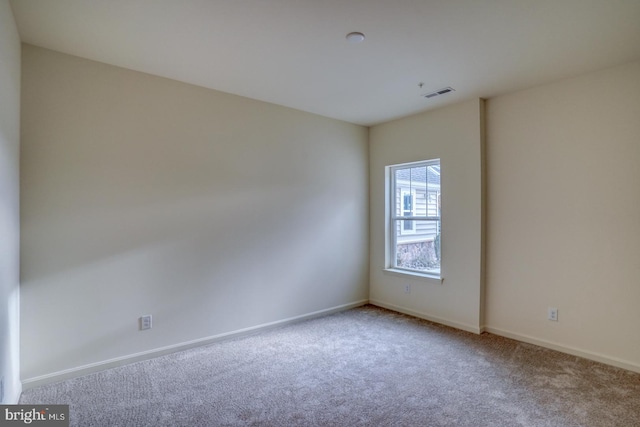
(438, 92)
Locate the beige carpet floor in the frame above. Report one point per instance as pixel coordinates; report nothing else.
(363, 367)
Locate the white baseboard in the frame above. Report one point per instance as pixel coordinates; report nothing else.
(607, 360)
(414, 313)
(150, 354)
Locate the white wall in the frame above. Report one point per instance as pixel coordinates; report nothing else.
(212, 212)
(564, 215)
(9, 204)
(455, 135)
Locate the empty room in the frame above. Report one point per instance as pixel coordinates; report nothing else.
(315, 213)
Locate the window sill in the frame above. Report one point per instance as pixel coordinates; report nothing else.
(414, 275)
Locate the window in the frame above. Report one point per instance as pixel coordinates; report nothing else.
(414, 215)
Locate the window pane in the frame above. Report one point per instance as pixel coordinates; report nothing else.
(432, 205)
(412, 178)
(407, 202)
(419, 178)
(433, 175)
(420, 250)
(417, 191)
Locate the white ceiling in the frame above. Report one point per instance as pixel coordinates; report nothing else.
(294, 52)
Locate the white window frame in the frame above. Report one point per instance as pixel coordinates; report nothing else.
(391, 237)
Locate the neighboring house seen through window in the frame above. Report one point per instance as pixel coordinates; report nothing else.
(415, 215)
(408, 202)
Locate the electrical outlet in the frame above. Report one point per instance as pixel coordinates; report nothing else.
(407, 288)
(552, 314)
(145, 322)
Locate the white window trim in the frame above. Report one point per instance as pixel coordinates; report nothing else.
(391, 235)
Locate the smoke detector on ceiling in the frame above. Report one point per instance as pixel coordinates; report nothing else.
(438, 92)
